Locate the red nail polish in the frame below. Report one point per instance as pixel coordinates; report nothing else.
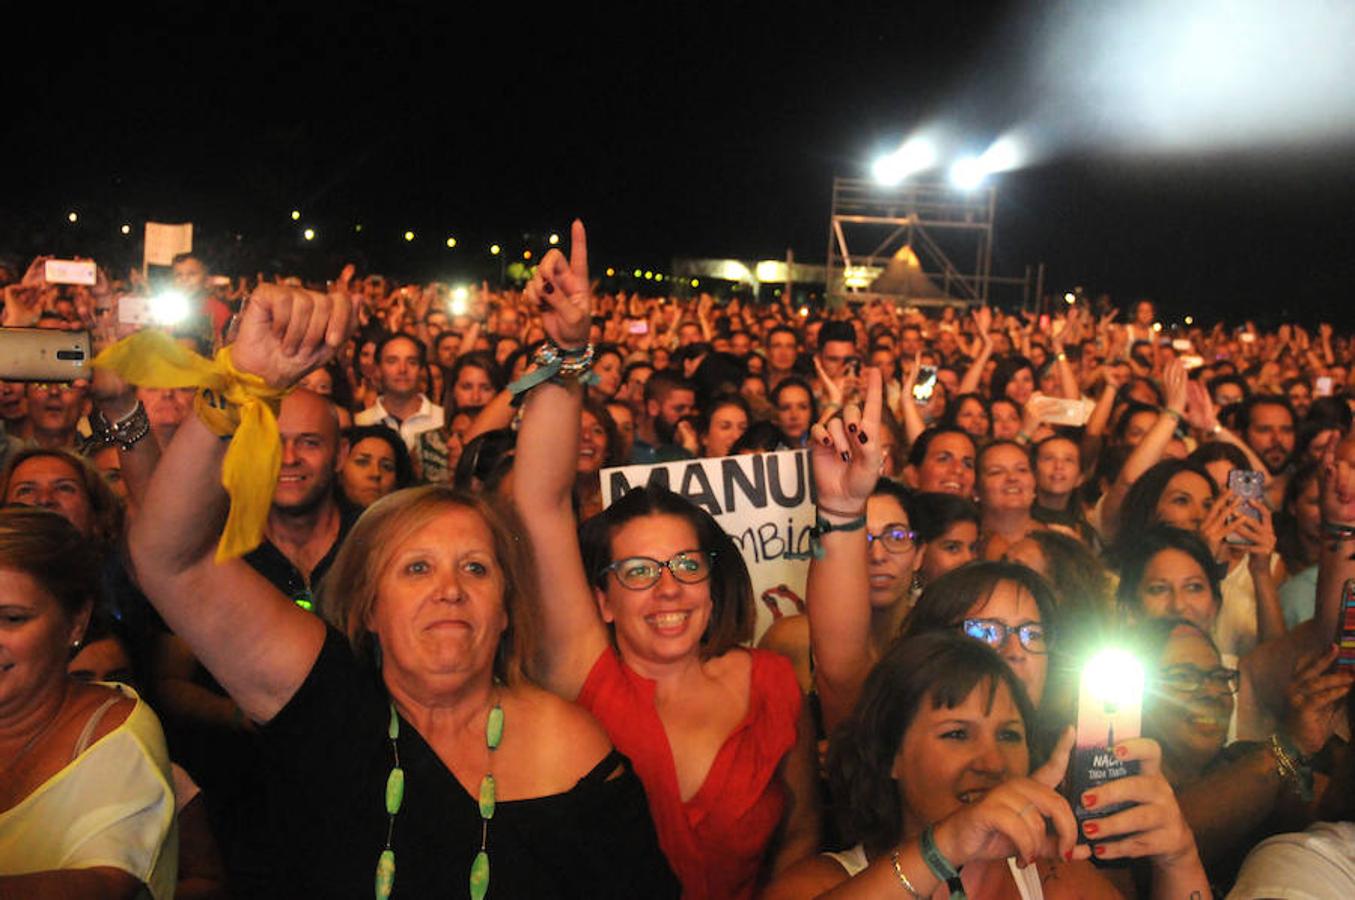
(1068, 857)
(1090, 828)
(1099, 849)
(1088, 801)
(1121, 751)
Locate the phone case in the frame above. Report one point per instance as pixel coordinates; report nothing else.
(43, 354)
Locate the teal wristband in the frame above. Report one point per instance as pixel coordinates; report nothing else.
(940, 866)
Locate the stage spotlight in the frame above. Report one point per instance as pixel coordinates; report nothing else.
(1070, 298)
(1002, 156)
(554, 239)
(309, 234)
(915, 155)
(459, 297)
(968, 173)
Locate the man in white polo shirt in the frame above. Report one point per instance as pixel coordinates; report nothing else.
(401, 407)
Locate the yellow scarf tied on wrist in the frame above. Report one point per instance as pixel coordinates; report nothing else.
(230, 403)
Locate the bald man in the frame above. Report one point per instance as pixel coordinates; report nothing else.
(307, 522)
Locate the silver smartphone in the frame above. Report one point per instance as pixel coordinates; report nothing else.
(44, 354)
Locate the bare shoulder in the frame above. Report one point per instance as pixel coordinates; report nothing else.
(1076, 880)
(565, 742)
(86, 699)
(809, 877)
(788, 635)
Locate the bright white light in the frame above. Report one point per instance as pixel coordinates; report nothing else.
(72, 217)
(1190, 320)
(451, 243)
(126, 229)
(169, 308)
(915, 155)
(554, 239)
(409, 235)
(1070, 298)
(495, 249)
(1166, 76)
(1114, 678)
(459, 297)
(968, 173)
(1002, 156)
(309, 234)
(296, 214)
(804, 311)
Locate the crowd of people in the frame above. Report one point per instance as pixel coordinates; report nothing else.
(314, 593)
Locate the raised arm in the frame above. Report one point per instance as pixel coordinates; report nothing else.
(543, 476)
(249, 636)
(846, 462)
(1151, 447)
(983, 320)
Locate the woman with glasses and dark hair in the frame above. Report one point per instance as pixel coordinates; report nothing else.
(894, 554)
(1235, 795)
(1002, 604)
(937, 774)
(641, 620)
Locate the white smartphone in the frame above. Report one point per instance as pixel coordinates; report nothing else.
(135, 311)
(1062, 411)
(71, 271)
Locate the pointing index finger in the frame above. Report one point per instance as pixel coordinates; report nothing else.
(578, 250)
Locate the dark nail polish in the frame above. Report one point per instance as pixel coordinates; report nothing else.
(846, 457)
(550, 288)
(828, 442)
(851, 426)
(861, 436)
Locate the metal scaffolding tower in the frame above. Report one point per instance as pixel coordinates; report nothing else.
(904, 243)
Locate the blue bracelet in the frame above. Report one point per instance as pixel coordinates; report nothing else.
(941, 866)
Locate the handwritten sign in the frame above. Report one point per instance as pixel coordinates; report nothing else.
(164, 242)
(764, 502)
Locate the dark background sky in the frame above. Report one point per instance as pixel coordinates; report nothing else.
(672, 129)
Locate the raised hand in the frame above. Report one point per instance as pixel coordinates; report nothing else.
(286, 332)
(561, 291)
(1014, 818)
(1337, 481)
(1154, 827)
(1174, 381)
(847, 453)
(983, 321)
(1200, 413)
(1314, 699)
(1218, 522)
(831, 388)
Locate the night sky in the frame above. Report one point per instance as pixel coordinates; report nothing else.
(672, 129)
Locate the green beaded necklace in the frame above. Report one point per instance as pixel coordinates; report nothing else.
(395, 795)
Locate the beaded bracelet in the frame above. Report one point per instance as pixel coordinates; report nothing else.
(1293, 767)
(125, 432)
(554, 363)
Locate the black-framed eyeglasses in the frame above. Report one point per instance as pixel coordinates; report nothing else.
(639, 573)
(994, 632)
(1188, 679)
(895, 537)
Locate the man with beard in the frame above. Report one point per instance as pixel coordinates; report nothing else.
(669, 398)
(1266, 423)
(306, 523)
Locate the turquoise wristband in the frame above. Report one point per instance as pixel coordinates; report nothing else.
(940, 866)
